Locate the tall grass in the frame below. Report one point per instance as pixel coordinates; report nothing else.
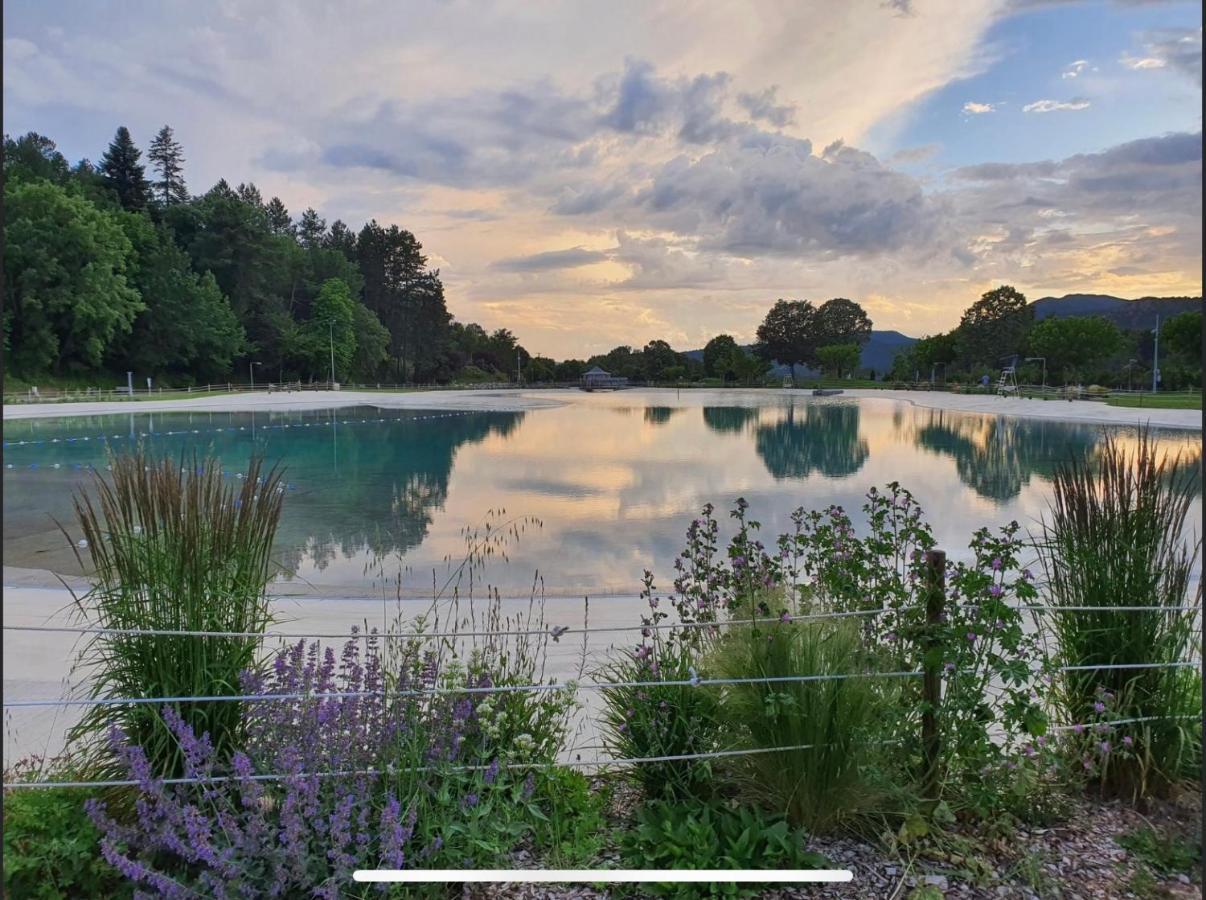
(1116, 536)
(843, 723)
(173, 547)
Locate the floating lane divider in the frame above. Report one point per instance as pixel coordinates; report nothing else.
(236, 428)
(88, 467)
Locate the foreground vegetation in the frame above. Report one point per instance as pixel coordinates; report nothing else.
(768, 703)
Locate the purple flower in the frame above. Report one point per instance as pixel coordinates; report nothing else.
(996, 564)
(971, 635)
(950, 667)
(1128, 741)
(491, 772)
(470, 801)
(785, 618)
(995, 590)
(1104, 746)
(1099, 707)
(1078, 728)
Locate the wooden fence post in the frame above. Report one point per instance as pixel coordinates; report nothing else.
(931, 684)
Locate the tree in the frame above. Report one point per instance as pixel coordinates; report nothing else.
(788, 334)
(311, 229)
(994, 326)
(841, 321)
(123, 172)
(1074, 343)
(933, 351)
(187, 326)
(748, 368)
(372, 342)
(342, 239)
(168, 157)
(837, 359)
(660, 360)
(717, 354)
(33, 156)
(65, 275)
(332, 324)
(278, 217)
(1183, 335)
(250, 194)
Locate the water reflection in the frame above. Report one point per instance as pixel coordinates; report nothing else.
(615, 492)
(823, 438)
(730, 419)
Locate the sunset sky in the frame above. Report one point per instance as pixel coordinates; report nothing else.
(596, 174)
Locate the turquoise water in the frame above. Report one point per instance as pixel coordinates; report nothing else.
(609, 482)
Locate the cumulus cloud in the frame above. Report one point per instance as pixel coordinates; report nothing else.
(552, 259)
(973, 108)
(1047, 106)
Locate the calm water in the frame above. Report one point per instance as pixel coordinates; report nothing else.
(613, 479)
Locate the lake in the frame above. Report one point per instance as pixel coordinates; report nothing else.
(597, 489)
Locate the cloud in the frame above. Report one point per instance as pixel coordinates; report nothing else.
(552, 259)
(19, 49)
(1179, 49)
(902, 7)
(1046, 106)
(762, 106)
(978, 109)
(1075, 68)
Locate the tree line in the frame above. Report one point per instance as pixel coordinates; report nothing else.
(117, 266)
(111, 267)
(1000, 329)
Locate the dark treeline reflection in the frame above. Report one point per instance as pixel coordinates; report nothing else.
(356, 485)
(730, 419)
(820, 437)
(381, 488)
(660, 415)
(996, 457)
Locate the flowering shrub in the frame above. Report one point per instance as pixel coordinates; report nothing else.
(398, 770)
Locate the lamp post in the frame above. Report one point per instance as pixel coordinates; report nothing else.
(251, 370)
(331, 329)
(1156, 358)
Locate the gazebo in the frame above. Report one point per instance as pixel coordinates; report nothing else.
(598, 380)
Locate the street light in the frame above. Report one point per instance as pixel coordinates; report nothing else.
(1130, 371)
(1156, 358)
(331, 328)
(251, 369)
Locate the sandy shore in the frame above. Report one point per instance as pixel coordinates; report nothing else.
(1087, 411)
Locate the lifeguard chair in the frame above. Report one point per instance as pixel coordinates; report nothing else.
(1007, 384)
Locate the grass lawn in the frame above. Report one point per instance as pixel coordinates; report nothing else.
(1159, 401)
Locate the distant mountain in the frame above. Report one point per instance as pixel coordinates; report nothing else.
(878, 353)
(1128, 314)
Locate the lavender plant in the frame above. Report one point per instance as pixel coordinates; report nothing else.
(376, 769)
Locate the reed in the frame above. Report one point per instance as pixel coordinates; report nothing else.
(173, 546)
(1116, 535)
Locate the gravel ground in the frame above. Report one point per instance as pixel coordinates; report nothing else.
(1077, 859)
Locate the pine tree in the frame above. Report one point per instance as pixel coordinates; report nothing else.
(310, 229)
(278, 217)
(168, 157)
(341, 238)
(250, 194)
(123, 172)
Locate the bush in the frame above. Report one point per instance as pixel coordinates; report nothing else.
(693, 836)
(50, 847)
(1115, 536)
(418, 776)
(839, 726)
(174, 548)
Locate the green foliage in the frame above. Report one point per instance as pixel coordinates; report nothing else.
(839, 359)
(840, 724)
(32, 157)
(120, 168)
(1164, 850)
(168, 158)
(1074, 344)
(176, 548)
(1183, 335)
(66, 267)
(994, 325)
(187, 327)
(331, 331)
(574, 830)
(1116, 536)
(841, 321)
(50, 847)
(669, 835)
(788, 334)
(717, 355)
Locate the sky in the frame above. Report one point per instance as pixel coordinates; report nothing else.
(590, 174)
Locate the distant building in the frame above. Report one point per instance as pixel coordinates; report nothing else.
(598, 380)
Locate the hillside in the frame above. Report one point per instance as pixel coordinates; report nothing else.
(878, 353)
(1128, 314)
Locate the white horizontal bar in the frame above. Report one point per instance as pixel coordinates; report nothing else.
(605, 876)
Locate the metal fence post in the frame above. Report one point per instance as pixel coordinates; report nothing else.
(931, 684)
